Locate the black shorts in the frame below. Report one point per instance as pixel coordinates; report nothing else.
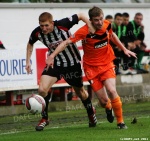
(72, 75)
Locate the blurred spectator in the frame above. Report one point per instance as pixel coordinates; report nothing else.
(124, 39)
(126, 18)
(31, 1)
(116, 1)
(1, 45)
(109, 18)
(135, 32)
(140, 1)
(18, 1)
(125, 60)
(124, 1)
(116, 26)
(76, 1)
(106, 0)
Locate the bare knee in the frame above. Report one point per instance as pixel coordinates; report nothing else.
(103, 102)
(42, 92)
(112, 93)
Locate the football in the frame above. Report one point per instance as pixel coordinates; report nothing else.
(35, 104)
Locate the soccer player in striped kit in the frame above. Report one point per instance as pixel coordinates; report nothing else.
(66, 64)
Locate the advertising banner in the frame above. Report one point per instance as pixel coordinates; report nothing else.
(13, 75)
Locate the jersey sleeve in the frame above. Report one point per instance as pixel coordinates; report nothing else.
(80, 34)
(34, 36)
(68, 22)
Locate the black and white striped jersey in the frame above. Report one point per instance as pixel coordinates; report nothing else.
(70, 55)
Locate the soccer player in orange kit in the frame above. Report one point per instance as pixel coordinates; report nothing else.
(98, 61)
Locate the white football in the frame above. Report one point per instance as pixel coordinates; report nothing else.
(35, 104)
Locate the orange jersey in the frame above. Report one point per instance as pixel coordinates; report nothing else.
(96, 47)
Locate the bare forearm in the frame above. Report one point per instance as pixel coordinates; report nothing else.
(84, 18)
(117, 42)
(29, 52)
(61, 47)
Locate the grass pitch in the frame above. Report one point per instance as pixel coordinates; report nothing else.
(73, 126)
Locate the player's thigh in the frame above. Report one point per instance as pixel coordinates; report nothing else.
(46, 82)
(102, 94)
(109, 79)
(110, 85)
(48, 78)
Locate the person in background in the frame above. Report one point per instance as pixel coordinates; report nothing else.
(129, 44)
(98, 60)
(109, 18)
(116, 27)
(67, 63)
(135, 32)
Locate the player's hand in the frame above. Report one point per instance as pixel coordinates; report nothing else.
(28, 68)
(142, 27)
(50, 61)
(130, 53)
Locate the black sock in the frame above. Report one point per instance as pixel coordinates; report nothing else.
(88, 105)
(45, 112)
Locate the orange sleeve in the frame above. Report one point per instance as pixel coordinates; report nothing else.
(80, 34)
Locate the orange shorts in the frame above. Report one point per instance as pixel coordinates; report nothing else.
(97, 74)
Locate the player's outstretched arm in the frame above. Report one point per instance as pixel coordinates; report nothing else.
(84, 18)
(118, 43)
(28, 56)
(60, 48)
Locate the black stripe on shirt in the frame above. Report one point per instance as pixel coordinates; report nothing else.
(64, 52)
(109, 27)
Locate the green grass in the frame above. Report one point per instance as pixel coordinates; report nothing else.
(73, 126)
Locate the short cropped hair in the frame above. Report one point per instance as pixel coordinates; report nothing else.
(45, 16)
(117, 15)
(125, 14)
(138, 14)
(94, 12)
(109, 17)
